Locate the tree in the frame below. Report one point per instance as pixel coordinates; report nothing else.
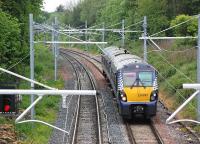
(20, 9)
(10, 50)
(187, 29)
(60, 8)
(177, 7)
(156, 11)
(90, 10)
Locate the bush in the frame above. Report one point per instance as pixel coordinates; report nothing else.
(187, 29)
(10, 50)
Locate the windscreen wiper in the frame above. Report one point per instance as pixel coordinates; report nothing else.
(137, 80)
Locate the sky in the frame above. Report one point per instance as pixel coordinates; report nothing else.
(51, 5)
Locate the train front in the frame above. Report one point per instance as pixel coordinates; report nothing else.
(139, 91)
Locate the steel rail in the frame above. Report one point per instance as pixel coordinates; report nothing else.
(156, 133)
(96, 101)
(130, 134)
(87, 57)
(82, 54)
(78, 103)
(153, 129)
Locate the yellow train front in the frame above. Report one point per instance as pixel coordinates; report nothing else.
(134, 82)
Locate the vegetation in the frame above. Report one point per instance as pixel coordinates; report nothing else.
(14, 22)
(9, 40)
(176, 62)
(47, 108)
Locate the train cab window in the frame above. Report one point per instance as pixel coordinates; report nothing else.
(146, 78)
(129, 79)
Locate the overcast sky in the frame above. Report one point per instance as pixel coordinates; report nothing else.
(51, 5)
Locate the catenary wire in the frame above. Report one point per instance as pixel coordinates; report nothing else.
(193, 17)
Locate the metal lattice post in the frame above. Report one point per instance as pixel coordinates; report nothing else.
(123, 33)
(145, 40)
(69, 35)
(55, 48)
(86, 46)
(198, 68)
(103, 34)
(53, 39)
(31, 60)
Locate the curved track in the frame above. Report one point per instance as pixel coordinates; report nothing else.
(135, 130)
(87, 122)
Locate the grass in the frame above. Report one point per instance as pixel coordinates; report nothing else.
(47, 108)
(171, 77)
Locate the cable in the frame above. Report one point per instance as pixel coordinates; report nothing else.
(181, 95)
(16, 63)
(134, 24)
(170, 51)
(173, 86)
(95, 26)
(175, 68)
(52, 29)
(175, 26)
(113, 25)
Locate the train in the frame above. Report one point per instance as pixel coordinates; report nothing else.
(133, 81)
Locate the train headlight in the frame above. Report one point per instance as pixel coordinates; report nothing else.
(153, 96)
(123, 96)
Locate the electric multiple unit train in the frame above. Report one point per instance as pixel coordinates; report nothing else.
(134, 82)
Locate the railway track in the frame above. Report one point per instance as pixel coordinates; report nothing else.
(87, 127)
(106, 138)
(143, 132)
(82, 54)
(152, 135)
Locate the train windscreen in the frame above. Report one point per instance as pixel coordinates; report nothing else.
(146, 78)
(143, 78)
(129, 79)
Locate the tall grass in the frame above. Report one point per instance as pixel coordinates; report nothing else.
(46, 110)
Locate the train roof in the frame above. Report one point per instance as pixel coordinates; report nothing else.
(111, 52)
(119, 58)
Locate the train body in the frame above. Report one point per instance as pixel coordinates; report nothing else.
(133, 81)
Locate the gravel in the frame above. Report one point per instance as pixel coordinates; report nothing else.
(113, 127)
(65, 116)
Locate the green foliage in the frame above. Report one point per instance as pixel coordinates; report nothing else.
(43, 17)
(10, 50)
(20, 10)
(60, 8)
(113, 12)
(51, 17)
(190, 7)
(188, 29)
(90, 9)
(155, 10)
(47, 108)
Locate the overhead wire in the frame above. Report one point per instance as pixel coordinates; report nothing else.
(95, 26)
(175, 67)
(181, 95)
(193, 17)
(170, 51)
(12, 66)
(113, 25)
(52, 29)
(134, 24)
